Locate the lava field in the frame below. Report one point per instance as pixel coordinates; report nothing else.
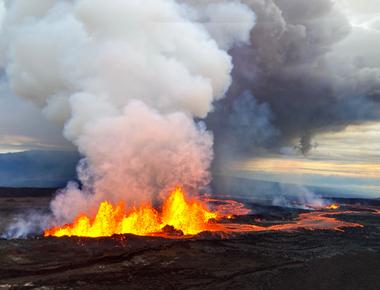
(347, 258)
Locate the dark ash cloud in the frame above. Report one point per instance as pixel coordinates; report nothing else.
(309, 67)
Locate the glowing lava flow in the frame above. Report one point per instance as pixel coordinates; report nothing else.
(190, 217)
(227, 208)
(308, 221)
(333, 206)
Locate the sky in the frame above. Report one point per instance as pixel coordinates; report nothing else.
(23, 128)
(347, 160)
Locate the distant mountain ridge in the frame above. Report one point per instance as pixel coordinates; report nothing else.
(37, 168)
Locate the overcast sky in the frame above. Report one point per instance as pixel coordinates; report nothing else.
(23, 127)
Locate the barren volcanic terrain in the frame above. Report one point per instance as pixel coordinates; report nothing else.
(346, 258)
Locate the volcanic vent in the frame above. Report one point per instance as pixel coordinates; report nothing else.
(183, 217)
(187, 217)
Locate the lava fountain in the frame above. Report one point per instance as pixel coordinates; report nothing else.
(188, 216)
(333, 206)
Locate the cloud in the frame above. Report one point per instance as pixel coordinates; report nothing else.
(333, 177)
(24, 127)
(345, 145)
(37, 168)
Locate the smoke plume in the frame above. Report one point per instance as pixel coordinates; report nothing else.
(313, 69)
(297, 196)
(125, 79)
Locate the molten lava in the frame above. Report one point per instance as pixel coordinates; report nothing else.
(190, 217)
(333, 206)
(227, 208)
(306, 221)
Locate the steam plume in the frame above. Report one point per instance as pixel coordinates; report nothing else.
(125, 79)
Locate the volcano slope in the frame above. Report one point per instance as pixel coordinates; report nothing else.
(302, 259)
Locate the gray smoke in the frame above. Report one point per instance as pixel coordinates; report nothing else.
(25, 224)
(297, 196)
(313, 70)
(242, 126)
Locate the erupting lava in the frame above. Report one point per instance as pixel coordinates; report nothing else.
(333, 206)
(190, 217)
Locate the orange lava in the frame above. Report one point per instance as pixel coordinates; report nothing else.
(190, 217)
(227, 208)
(333, 206)
(308, 221)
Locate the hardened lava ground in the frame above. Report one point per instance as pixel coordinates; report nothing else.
(302, 259)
